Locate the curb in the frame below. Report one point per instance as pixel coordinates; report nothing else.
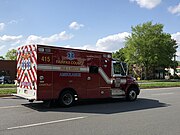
(160, 87)
(6, 95)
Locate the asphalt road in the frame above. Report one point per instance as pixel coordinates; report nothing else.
(156, 112)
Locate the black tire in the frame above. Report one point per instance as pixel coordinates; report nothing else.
(66, 99)
(9, 81)
(131, 94)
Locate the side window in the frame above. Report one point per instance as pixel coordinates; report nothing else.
(93, 69)
(117, 68)
(120, 68)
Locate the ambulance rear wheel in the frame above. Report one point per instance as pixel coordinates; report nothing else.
(66, 98)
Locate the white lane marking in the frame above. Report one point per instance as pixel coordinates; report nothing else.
(7, 107)
(159, 94)
(45, 123)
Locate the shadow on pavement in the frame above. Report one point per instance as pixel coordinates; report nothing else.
(102, 106)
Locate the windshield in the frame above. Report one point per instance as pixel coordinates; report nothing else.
(119, 68)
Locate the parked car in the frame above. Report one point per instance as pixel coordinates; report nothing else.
(5, 79)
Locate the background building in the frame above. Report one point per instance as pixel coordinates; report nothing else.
(8, 68)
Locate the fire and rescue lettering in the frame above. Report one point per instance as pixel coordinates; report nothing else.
(70, 60)
(70, 74)
(63, 68)
(63, 62)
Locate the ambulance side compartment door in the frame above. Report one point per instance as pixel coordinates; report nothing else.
(45, 76)
(93, 79)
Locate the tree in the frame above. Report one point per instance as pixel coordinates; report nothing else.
(148, 47)
(178, 63)
(2, 58)
(11, 55)
(119, 55)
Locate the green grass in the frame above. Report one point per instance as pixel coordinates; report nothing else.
(8, 86)
(162, 80)
(158, 84)
(7, 91)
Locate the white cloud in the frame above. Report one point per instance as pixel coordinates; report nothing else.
(2, 47)
(75, 26)
(178, 54)
(13, 48)
(176, 36)
(88, 47)
(84, 47)
(6, 38)
(2, 25)
(46, 40)
(112, 42)
(18, 42)
(13, 22)
(149, 4)
(174, 9)
(8, 41)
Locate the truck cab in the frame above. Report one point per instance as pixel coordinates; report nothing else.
(123, 85)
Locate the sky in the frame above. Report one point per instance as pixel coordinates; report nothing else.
(86, 24)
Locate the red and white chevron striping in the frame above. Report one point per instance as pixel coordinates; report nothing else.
(27, 66)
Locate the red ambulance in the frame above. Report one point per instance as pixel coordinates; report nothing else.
(64, 75)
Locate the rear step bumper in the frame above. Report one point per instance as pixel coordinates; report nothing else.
(24, 96)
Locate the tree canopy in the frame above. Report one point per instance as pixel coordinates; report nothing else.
(119, 55)
(11, 55)
(2, 58)
(148, 46)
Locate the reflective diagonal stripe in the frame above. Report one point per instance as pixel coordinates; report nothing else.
(104, 76)
(27, 66)
(46, 67)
